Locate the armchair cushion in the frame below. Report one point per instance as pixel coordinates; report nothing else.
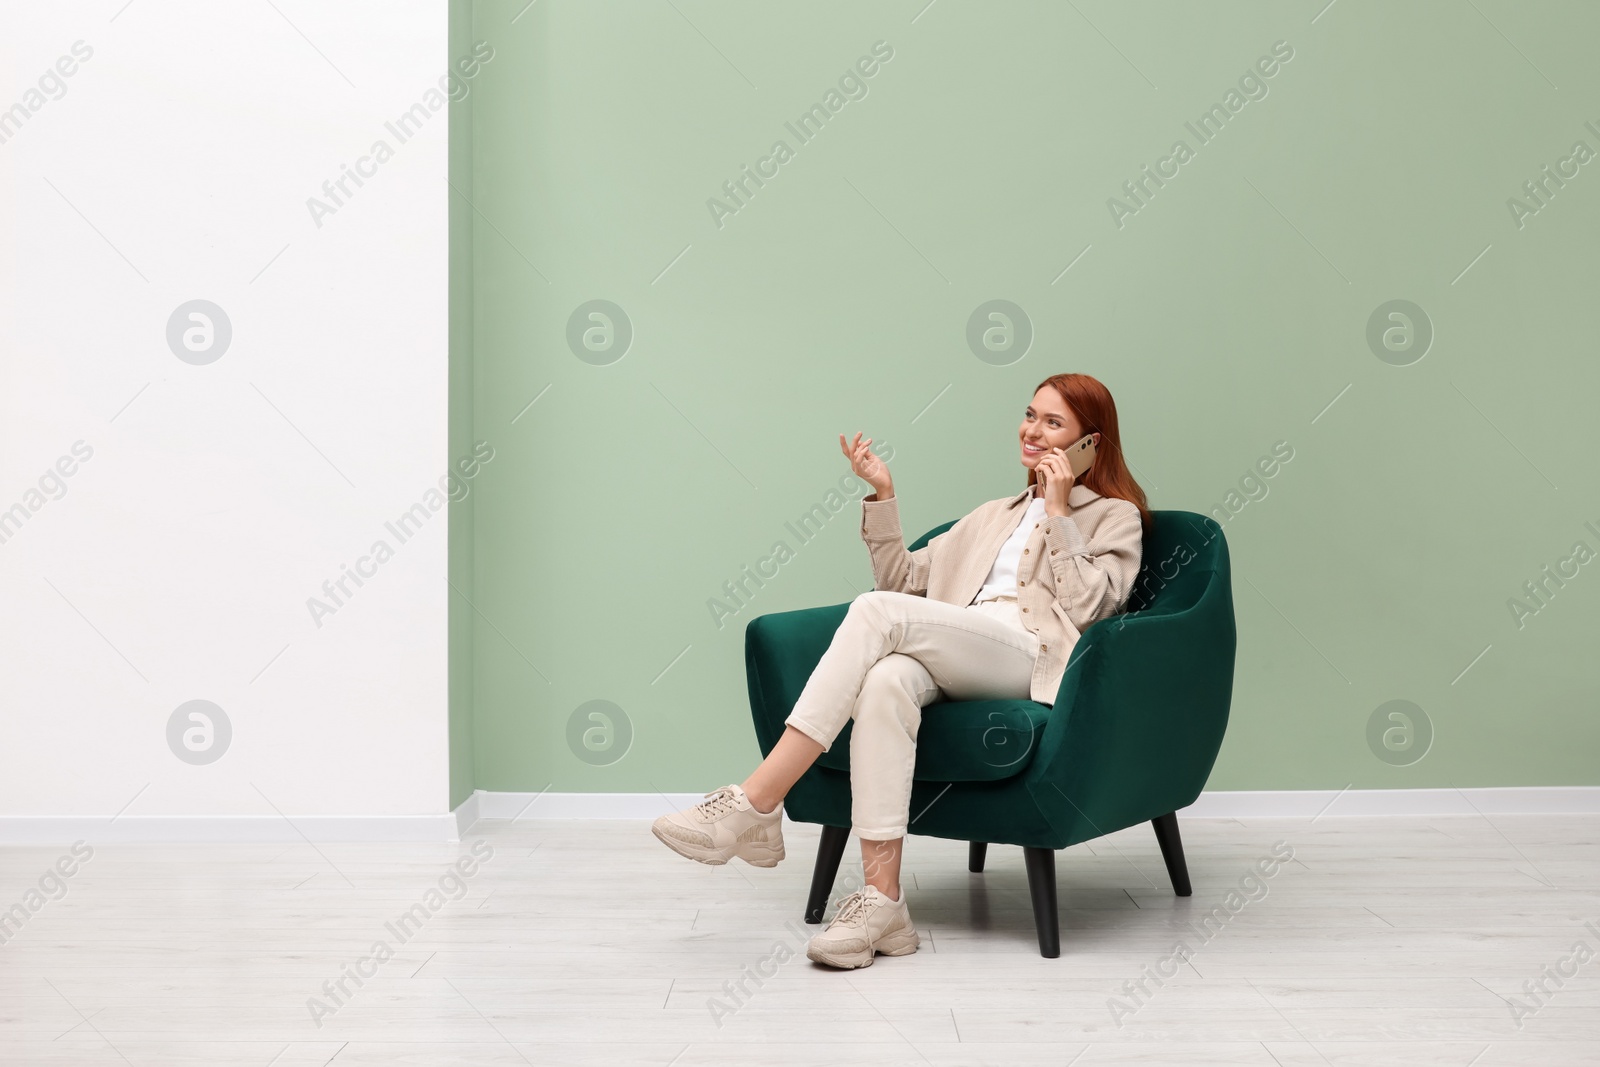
(965, 740)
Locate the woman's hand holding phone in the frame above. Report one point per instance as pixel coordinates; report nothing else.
(1055, 470)
(1057, 477)
(867, 466)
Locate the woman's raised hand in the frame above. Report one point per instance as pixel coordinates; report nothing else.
(867, 466)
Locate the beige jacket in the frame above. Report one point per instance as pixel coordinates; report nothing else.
(1093, 558)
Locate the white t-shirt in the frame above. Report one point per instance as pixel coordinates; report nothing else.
(1002, 580)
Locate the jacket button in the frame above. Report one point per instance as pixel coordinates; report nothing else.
(1024, 609)
(1052, 551)
(1044, 648)
(1022, 583)
(1024, 552)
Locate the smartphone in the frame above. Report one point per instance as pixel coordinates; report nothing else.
(1080, 454)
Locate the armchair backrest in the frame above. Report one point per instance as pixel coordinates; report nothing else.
(1180, 554)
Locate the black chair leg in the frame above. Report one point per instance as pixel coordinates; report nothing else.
(1172, 851)
(1041, 863)
(830, 850)
(975, 854)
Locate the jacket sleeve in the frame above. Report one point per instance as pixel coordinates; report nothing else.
(1094, 578)
(893, 568)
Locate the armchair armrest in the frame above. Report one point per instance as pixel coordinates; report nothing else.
(781, 650)
(1139, 719)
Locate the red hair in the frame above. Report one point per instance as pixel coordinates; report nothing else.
(1096, 412)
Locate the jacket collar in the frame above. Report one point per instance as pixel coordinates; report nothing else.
(1077, 496)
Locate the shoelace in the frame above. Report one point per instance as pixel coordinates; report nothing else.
(720, 804)
(852, 909)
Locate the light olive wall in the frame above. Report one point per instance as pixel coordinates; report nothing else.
(1239, 309)
(461, 615)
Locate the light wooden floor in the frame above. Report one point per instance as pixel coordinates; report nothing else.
(1385, 941)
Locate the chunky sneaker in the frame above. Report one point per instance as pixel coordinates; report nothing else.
(867, 922)
(724, 826)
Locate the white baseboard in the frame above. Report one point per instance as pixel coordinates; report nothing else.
(450, 827)
(468, 812)
(581, 805)
(1296, 804)
(1251, 804)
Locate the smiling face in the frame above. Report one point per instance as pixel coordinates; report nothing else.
(1048, 423)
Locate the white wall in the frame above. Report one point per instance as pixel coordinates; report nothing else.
(178, 562)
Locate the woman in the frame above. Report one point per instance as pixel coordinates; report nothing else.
(989, 609)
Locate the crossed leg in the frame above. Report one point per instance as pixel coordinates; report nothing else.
(771, 781)
(893, 654)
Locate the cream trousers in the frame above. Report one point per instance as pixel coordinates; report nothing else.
(893, 655)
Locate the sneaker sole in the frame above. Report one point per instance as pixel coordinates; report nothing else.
(902, 944)
(716, 857)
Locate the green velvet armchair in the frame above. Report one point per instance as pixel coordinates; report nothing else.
(1131, 737)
